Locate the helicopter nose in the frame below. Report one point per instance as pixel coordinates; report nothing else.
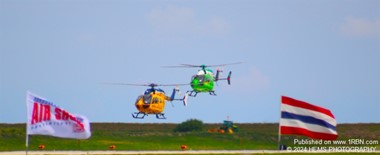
(146, 106)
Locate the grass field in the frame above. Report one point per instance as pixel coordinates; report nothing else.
(126, 136)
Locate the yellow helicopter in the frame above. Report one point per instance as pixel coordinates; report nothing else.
(152, 102)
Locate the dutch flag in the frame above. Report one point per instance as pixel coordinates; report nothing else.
(301, 118)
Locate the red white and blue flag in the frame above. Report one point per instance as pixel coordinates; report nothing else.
(46, 118)
(301, 118)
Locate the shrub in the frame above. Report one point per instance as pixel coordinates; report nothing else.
(189, 125)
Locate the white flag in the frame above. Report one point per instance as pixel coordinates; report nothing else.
(46, 118)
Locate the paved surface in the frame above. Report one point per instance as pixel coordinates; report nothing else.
(138, 152)
(134, 152)
(148, 152)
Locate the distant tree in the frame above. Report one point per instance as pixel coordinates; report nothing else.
(189, 125)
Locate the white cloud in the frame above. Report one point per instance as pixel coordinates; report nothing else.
(183, 20)
(357, 27)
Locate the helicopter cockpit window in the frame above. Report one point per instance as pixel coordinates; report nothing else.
(138, 98)
(193, 77)
(200, 78)
(207, 79)
(147, 98)
(155, 100)
(160, 100)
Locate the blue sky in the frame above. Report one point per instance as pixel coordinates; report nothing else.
(323, 52)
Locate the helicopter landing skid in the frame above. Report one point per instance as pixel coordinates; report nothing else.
(212, 93)
(137, 115)
(160, 116)
(141, 115)
(192, 93)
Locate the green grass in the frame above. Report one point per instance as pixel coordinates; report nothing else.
(127, 136)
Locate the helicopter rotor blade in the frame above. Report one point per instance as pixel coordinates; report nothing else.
(175, 66)
(183, 84)
(183, 66)
(192, 66)
(222, 65)
(128, 84)
(151, 84)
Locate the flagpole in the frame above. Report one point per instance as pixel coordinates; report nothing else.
(279, 136)
(26, 124)
(27, 144)
(279, 128)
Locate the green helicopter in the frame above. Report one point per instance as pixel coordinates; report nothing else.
(205, 79)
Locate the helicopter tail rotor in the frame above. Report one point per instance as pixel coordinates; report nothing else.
(229, 78)
(217, 76)
(185, 99)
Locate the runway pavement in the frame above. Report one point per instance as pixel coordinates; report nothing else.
(139, 152)
(150, 152)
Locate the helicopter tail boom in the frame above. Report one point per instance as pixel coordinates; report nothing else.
(228, 77)
(184, 99)
(217, 75)
(173, 94)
